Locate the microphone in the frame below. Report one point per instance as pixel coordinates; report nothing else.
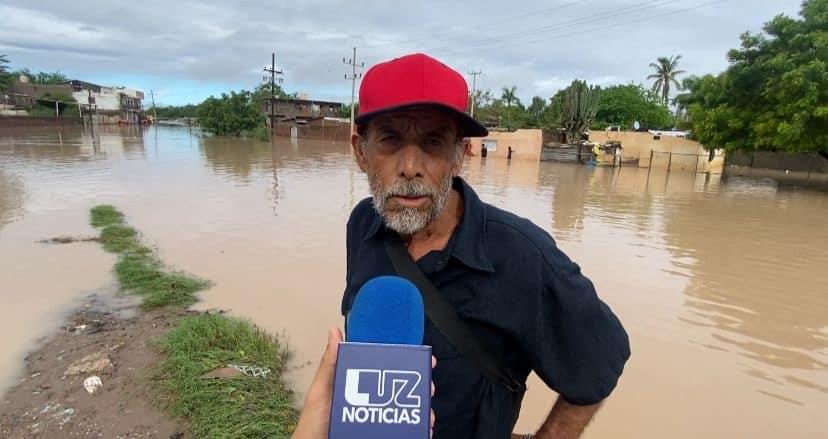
(382, 383)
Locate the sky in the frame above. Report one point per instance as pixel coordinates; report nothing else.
(185, 51)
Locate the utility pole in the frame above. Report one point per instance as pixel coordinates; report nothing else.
(474, 74)
(354, 76)
(154, 112)
(273, 72)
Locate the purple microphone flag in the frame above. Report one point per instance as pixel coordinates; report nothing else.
(381, 391)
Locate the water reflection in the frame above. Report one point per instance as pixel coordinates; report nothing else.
(11, 198)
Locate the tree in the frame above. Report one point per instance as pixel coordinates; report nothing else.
(509, 96)
(623, 105)
(535, 113)
(231, 114)
(5, 76)
(774, 94)
(578, 106)
(665, 75)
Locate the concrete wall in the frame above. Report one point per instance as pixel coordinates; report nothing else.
(526, 144)
(686, 154)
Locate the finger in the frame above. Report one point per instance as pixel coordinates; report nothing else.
(327, 367)
(433, 361)
(433, 389)
(433, 418)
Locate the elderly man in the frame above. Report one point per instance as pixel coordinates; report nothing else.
(524, 305)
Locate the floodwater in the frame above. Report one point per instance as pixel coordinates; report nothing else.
(721, 283)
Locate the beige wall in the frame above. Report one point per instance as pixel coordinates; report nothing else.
(639, 145)
(526, 144)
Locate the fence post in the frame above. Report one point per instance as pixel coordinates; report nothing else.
(670, 162)
(697, 165)
(650, 164)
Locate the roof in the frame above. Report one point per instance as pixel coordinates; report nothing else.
(306, 101)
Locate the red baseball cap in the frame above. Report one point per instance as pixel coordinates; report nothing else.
(413, 81)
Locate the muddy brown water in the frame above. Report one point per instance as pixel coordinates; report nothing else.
(721, 283)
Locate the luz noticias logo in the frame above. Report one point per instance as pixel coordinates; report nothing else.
(381, 397)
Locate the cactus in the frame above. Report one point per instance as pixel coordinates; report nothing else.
(579, 107)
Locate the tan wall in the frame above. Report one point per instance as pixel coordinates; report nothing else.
(526, 144)
(639, 145)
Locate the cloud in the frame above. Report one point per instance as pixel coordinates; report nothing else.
(199, 46)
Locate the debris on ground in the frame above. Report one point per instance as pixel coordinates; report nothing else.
(94, 363)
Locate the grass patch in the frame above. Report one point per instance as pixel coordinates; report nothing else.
(138, 270)
(244, 407)
(142, 274)
(119, 239)
(106, 215)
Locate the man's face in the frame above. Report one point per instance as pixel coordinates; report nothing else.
(410, 158)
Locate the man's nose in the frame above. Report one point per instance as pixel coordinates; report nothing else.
(411, 161)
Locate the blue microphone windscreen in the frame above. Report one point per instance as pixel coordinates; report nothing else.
(387, 309)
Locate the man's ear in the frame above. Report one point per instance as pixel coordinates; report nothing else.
(359, 151)
(465, 151)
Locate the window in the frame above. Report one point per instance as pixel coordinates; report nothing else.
(490, 144)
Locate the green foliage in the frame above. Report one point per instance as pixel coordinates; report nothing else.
(535, 113)
(262, 94)
(45, 106)
(666, 75)
(345, 110)
(622, 105)
(175, 111)
(578, 107)
(119, 238)
(258, 133)
(774, 94)
(105, 215)
(42, 78)
(509, 97)
(244, 407)
(5, 76)
(230, 114)
(138, 270)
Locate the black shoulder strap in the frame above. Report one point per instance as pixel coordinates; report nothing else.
(445, 318)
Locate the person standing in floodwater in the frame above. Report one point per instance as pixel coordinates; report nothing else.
(483, 151)
(509, 154)
(524, 303)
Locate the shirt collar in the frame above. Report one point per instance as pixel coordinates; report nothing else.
(468, 242)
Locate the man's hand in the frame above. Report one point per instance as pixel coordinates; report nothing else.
(316, 413)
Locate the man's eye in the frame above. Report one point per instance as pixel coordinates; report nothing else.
(434, 142)
(388, 138)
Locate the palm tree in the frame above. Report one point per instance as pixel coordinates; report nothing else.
(3, 61)
(509, 96)
(665, 75)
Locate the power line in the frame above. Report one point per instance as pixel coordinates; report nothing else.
(611, 26)
(474, 74)
(568, 23)
(273, 72)
(354, 76)
(533, 13)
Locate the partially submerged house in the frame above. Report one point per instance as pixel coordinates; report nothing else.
(108, 104)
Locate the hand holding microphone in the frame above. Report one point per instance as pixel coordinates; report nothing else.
(376, 384)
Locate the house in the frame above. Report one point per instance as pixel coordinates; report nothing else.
(299, 110)
(109, 104)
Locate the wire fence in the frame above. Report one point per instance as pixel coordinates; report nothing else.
(670, 161)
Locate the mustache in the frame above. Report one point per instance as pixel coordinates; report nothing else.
(409, 188)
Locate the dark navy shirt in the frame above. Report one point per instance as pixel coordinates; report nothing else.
(527, 301)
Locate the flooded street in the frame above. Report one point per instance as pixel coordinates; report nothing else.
(720, 283)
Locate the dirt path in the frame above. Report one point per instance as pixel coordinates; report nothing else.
(106, 338)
